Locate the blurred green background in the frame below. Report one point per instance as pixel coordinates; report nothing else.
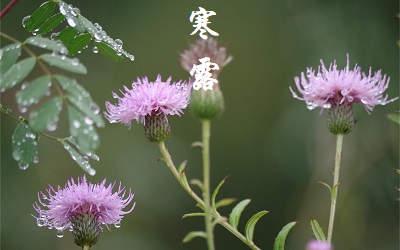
(271, 146)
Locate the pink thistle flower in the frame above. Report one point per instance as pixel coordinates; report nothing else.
(331, 86)
(318, 245)
(95, 204)
(147, 99)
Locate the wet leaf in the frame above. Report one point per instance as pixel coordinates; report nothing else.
(105, 49)
(317, 230)
(78, 43)
(68, 64)
(190, 236)
(16, 73)
(10, 55)
(81, 128)
(51, 23)
(88, 25)
(47, 116)
(24, 145)
(79, 159)
(91, 155)
(40, 16)
(67, 35)
(46, 43)
(251, 224)
(281, 238)
(234, 217)
(34, 91)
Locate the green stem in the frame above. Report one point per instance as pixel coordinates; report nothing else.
(206, 130)
(339, 145)
(85, 248)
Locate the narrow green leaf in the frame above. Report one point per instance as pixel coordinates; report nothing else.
(79, 159)
(78, 43)
(317, 230)
(16, 73)
(394, 118)
(51, 23)
(88, 25)
(46, 43)
(251, 224)
(10, 55)
(91, 155)
(234, 217)
(224, 202)
(193, 215)
(281, 238)
(182, 167)
(69, 64)
(47, 116)
(105, 49)
(81, 128)
(190, 236)
(80, 97)
(40, 16)
(183, 179)
(214, 194)
(67, 35)
(34, 91)
(24, 146)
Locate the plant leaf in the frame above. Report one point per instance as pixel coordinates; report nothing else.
(182, 167)
(78, 43)
(193, 235)
(317, 230)
(394, 117)
(40, 16)
(193, 215)
(81, 128)
(106, 50)
(214, 194)
(224, 202)
(251, 224)
(16, 73)
(10, 55)
(80, 97)
(69, 64)
(67, 35)
(89, 154)
(46, 43)
(281, 238)
(47, 116)
(234, 217)
(51, 23)
(78, 158)
(24, 145)
(35, 90)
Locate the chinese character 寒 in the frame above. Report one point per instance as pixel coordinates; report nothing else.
(202, 74)
(201, 22)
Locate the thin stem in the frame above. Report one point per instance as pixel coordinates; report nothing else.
(171, 166)
(206, 130)
(339, 144)
(8, 8)
(85, 248)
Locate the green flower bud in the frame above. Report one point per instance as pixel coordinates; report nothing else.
(206, 104)
(86, 229)
(157, 128)
(340, 119)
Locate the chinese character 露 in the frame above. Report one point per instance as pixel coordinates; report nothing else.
(201, 22)
(202, 74)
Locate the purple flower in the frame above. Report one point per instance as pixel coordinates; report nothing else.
(148, 99)
(63, 208)
(318, 245)
(331, 86)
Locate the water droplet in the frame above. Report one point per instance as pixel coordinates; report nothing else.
(75, 62)
(326, 105)
(24, 20)
(117, 224)
(40, 222)
(23, 166)
(88, 121)
(22, 108)
(119, 42)
(17, 155)
(75, 11)
(60, 234)
(86, 158)
(54, 35)
(36, 159)
(51, 126)
(92, 172)
(94, 108)
(71, 21)
(97, 26)
(76, 124)
(95, 50)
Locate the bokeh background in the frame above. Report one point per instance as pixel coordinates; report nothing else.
(273, 148)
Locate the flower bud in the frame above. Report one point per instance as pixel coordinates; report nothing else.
(340, 118)
(85, 228)
(206, 104)
(156, 127)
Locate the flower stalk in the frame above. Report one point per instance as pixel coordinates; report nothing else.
(338, 157)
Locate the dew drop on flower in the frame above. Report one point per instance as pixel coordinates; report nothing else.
(23, 166)
(40, 222)
(95, 50)
(117, 225)
(24, 20)
(60, 234)
(71, 21)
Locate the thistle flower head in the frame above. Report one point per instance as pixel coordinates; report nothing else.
(148, 99)
(330, 86)
(318, 245)
(205, 48)
(82, 206)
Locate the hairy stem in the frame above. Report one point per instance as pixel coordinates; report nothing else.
(206, 129)
(339, 143)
